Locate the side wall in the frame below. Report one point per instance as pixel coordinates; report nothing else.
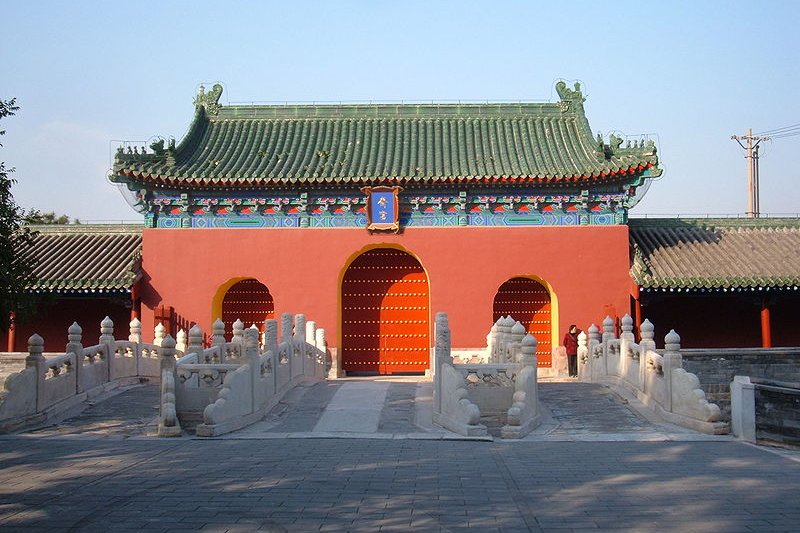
(586, 267)
(719, 321)
(54, 320)
(716, 368)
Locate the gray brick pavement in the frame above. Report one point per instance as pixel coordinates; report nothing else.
(60, 484)
(590, 467)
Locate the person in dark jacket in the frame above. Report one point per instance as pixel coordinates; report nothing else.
(571, 344)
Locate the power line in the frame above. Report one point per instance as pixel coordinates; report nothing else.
(779, 130)
(788, 134)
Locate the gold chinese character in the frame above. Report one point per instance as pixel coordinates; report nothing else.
(382, 201)
(382, 215)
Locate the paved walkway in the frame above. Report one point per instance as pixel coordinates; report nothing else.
(596, 464)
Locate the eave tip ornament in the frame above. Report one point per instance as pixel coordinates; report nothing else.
(383, 208)
(569, 96)
(208, 100)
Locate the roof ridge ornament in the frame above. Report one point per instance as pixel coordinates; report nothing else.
(569, 96)
(209, 100)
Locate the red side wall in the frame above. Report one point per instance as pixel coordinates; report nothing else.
(722, 321)
(586, 268)
(54, 320)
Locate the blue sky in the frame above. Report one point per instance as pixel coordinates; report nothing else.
(689, 73)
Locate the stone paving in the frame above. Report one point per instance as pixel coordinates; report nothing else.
(597, 464)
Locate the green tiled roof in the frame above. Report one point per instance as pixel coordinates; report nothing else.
(715, 253)
(85, 258)
(256, 145)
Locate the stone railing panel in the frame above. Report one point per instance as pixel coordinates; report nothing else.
(658, 380)
(125, 363)
(94, 367)
(19, 398)
(59, 379)
(504, 390)
(254, 382)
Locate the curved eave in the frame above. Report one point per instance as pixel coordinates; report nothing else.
(662, 285)
(160, 180)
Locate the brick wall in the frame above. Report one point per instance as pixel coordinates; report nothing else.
(716, 369)
(778, 413)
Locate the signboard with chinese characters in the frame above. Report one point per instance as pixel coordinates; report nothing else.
(383, 208)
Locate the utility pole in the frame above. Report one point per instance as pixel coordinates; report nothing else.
(753, 210)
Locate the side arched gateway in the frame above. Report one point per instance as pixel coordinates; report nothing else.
(248, 300)
(529, 302)
(385, 317)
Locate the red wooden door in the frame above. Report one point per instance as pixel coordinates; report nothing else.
(248, 300)
(385, 324)
(527, 301)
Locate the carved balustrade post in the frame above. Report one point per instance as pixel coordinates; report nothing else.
(299, 327)
(158, 334)
(286, 328)
(106, 331)
(608, 329)
(441, 356)
(195, 344)
(180, 342)
(505, 338)
(135, 336)
(322, 350)
(584, 361)
(528, 347)
(491, 342)
(36, 360)
(238, 333)
(250, 342)
(250, 357)
(311, 336)
(135, 331)
(608, 335)
(107, 344)
(271, 335)
(594, 342)
(298, 339)
(672, 359)
(626, 341)
(218, 333)
(287, 332)
(166, 354)
(168, 423)
(75, 347)
(515, 349)
(646, 344)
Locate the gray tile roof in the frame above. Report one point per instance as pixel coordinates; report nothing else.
(715, 253)
(82, 258)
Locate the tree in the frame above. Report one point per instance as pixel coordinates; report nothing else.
(39, 217)
(15, 237)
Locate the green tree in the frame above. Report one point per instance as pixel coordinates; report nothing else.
(15, 237)
(39, 217)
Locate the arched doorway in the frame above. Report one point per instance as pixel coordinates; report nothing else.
(527, 301)
(385, 318)
(248, 300)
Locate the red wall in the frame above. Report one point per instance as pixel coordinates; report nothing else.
(722, 320)
(586, 267)
(53, 321)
